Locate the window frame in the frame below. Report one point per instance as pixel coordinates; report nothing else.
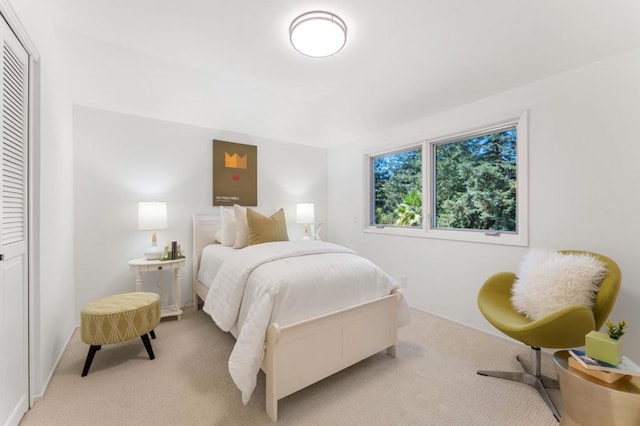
(518, 238)
(371, 185)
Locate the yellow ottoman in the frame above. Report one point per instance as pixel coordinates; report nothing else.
(119, 318)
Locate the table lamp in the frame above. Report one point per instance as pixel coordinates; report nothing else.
(152, 216)
(305, 214)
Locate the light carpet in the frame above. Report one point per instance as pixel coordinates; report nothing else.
(432, 381)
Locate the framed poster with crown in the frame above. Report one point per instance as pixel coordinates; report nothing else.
(235, 174)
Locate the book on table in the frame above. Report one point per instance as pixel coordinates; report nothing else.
(604, 376)
(626, 366)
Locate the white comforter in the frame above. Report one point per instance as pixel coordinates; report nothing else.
(286, 282)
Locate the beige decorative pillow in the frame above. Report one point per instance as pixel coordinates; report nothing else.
(263, 229)
(242, 228)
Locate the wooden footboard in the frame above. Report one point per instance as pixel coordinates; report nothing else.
(301, 354)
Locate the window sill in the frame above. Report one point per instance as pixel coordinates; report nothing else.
(451, 235)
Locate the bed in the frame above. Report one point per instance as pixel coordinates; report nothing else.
(306, 349)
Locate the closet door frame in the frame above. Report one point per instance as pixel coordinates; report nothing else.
(33, 170)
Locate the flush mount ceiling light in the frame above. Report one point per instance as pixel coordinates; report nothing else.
(318, 34)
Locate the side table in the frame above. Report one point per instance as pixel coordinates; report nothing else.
(140, 266)
(589, 401)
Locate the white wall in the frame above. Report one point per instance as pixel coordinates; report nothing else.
(583, 190)
(121, 159)
(52, 291)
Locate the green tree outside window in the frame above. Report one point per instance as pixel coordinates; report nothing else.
(475, 183)
(397, 188)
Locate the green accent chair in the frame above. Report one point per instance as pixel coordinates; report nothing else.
(564, 328)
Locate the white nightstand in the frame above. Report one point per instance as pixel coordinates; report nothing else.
(139, 266)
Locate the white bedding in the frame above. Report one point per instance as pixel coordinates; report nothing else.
(286, 282)
(213, 256)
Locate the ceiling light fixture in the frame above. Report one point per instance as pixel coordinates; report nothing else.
(318, 34)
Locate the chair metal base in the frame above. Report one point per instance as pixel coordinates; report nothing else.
(532, 377)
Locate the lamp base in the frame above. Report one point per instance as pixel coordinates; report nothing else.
(308, 232)
(153, 253)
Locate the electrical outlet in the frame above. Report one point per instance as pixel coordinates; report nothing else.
(404, 282)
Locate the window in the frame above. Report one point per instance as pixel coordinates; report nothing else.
(474, 182)
(468, 187)
(397, 188)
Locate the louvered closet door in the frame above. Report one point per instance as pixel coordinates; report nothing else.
(14, 355)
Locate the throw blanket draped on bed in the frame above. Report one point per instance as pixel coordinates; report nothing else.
(286, 282)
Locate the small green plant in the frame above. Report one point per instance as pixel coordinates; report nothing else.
(615, 331)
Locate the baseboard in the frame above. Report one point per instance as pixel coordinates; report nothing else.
(37, 397)
(499, 336)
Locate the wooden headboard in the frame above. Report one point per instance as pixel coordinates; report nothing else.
(204, 231)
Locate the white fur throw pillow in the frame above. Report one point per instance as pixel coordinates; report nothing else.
(549, 280)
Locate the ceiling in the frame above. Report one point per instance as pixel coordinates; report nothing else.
(404, 60)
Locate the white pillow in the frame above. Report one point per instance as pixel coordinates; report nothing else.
(242, 227)
(549, 280)
(226, 235)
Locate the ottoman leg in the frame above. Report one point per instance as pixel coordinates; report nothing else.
(87, 364)
(147, 345)
(152, 333)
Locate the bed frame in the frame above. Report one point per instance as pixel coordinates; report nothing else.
(300, 354)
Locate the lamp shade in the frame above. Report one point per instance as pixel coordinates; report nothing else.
(318, 34)
(305, 213)
(152, 215)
